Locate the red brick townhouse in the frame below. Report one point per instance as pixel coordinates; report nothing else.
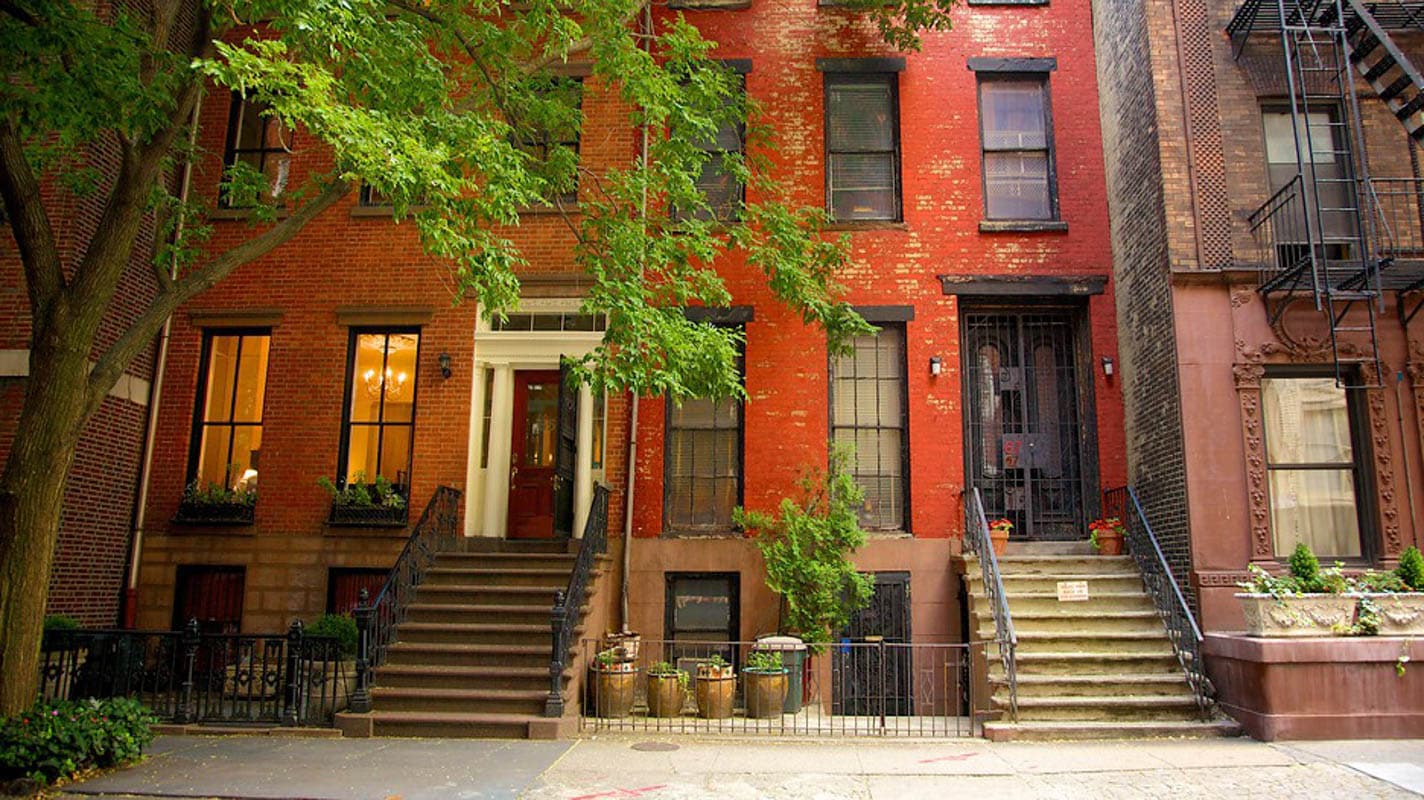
(969, 179)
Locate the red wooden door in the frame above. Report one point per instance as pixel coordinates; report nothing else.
(211, 595)
(532, 454)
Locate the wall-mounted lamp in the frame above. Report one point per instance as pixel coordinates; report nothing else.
(444, 365)
(1107, 366)
(936, 366)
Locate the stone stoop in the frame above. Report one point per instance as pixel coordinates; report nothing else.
(471, 660)
(1103, 668)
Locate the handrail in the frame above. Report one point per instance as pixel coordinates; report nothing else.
(1166, 593)
(977, 539)
(564, 617)
(376, 620)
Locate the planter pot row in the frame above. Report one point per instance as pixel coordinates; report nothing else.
(1401, 614)
(714, 691)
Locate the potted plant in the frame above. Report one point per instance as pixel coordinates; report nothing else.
(667, 688)
(999, 532)
(615, 679)
(1307, 601)
(214, 504)
(716, 686)
(341, 628)
(626, 643)
(1395, 598)
(765, 680)
(1106, 535)
(357, 502)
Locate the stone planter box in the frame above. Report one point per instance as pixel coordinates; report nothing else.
(1303, 615)
(1401, 614)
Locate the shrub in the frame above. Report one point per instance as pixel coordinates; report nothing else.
(1411, 569)
(1304, 566)
(763, 661)
(341, 626)
(57, 738)
(59, 622)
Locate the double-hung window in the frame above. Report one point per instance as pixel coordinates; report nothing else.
(1017, 136)
(259, 143)
(549, 133)
(868, 413)
(227, 430)
(701, 616)
(862, 146)
(1312, 460)
(379, 425)
(725, 193)
(703, 464)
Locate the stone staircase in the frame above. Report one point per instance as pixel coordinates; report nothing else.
(472, 657)
(1100, 668)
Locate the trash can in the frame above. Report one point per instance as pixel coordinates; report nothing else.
(793, 657)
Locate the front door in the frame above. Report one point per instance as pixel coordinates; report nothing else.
(532, 454)
(873, 667)
(1024, 427)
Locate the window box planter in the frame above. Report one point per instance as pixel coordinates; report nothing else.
(368, 516)
(236, 513)
(1401, 613)
(1297, 616)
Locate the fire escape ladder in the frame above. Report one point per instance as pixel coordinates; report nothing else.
(1385, 67)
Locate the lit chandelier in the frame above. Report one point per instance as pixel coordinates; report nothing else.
(393, 382)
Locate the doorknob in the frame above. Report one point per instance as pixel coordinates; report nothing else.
(513, 470)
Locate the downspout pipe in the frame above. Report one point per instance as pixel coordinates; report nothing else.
(155, 396)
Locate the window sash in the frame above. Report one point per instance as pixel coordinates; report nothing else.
(862, 161)
(216, 418)
(254, 144)
(700, 493)
(539, 142)
(869, 405)
(1016, 148)
(381, 426)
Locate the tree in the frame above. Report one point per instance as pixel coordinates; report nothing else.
(423, 100)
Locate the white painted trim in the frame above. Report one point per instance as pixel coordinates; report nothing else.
(16, 364)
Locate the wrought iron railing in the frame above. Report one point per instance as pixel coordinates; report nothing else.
(1166, 593)
(564, 617)
(376, 619)
(189, 676)
(848, 688)
(976, 538)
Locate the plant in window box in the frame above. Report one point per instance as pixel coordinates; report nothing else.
(1396, 597)
(1106, 535)
(360, 503)
(615, 679)
(715, 687)
(214, 503)
(667, 689)
(1307, 601)
(766, 684)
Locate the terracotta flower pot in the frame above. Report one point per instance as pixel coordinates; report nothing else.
(665, 696)
(999, 540)
(766, 693)
(714, 696)
(1110, 543)
(613, 691)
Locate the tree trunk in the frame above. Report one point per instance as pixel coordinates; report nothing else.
(31, 498)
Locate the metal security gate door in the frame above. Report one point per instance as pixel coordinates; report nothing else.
(877, 680)
(1023, 423)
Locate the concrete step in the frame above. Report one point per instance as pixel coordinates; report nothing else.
(446, 595)
(451, 725)
(1081, 623)
(406, 676)
(459, 701)
(473, 577)
(507, 560)
(460, 613)
(468, 655)
(1072, 663)
(1086, 685)
(481, 544)
(1120, 729)
(1145, 643)
(1064, 566)
(473, 633)
(1080, 547)
(1036, 584)
(1102, 708)
(1040, 602)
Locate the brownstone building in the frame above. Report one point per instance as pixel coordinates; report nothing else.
(1264, 181)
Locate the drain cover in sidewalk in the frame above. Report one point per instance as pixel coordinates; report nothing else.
(655, 747)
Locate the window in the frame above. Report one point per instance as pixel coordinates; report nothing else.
(868, 410)
(862, 147)
(550, 135)
(1017, 135)
(371, 197)
(380, 410)
(227, 430)
(259, 142)
(344, 585)
(701, 615)
(725, 194)
(703, 464)
(1332, 186)
(1311, 461)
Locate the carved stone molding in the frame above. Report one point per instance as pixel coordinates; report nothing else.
(1384, 474)
(1216, 579)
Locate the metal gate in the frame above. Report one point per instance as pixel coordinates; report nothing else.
(1024, 422)
(876, 680)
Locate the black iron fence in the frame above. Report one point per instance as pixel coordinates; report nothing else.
(189, 676)
(913, 689)
(564, 616)
(1006, 641)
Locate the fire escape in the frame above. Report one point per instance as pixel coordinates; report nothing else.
(1330, 231)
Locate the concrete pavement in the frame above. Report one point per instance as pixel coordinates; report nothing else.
(686, 768)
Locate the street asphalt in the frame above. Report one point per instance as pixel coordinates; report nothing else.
(687, 768)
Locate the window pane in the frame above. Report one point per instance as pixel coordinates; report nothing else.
(861, 117)
(701, 604)
(395, 455)
(1280, 140)
(1014, 116)
(250, 124)
(212, 456)
(1317, 508)
(368, 378)
(361, 452)
(868, 395)
(222, 371)
(1016, 186)
(246, 444)
(1307, 421)
(251, 379)
(863, 186)
(401, 350)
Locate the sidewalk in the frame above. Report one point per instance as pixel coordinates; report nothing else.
(683, 768)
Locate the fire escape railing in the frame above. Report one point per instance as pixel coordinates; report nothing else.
(976, 539)
(376, 619)
(1166, 593)
(564, 617)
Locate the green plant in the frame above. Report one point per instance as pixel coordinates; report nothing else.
(1325, 581)
(807, 551)
(764, 662)
(55, 739)
(340, 626)
(663, 669)
(1304, 566)
(1104, 525)
(1411, 569)
(197, 493)
(716, 660)
(606, 658)
(357, 493)
(1378, 583)
(59, 622)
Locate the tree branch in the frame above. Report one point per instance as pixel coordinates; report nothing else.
(110, 365)
(44, 277)
(19, 13)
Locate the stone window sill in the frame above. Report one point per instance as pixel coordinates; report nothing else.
(1023, 226)
(868, 225)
